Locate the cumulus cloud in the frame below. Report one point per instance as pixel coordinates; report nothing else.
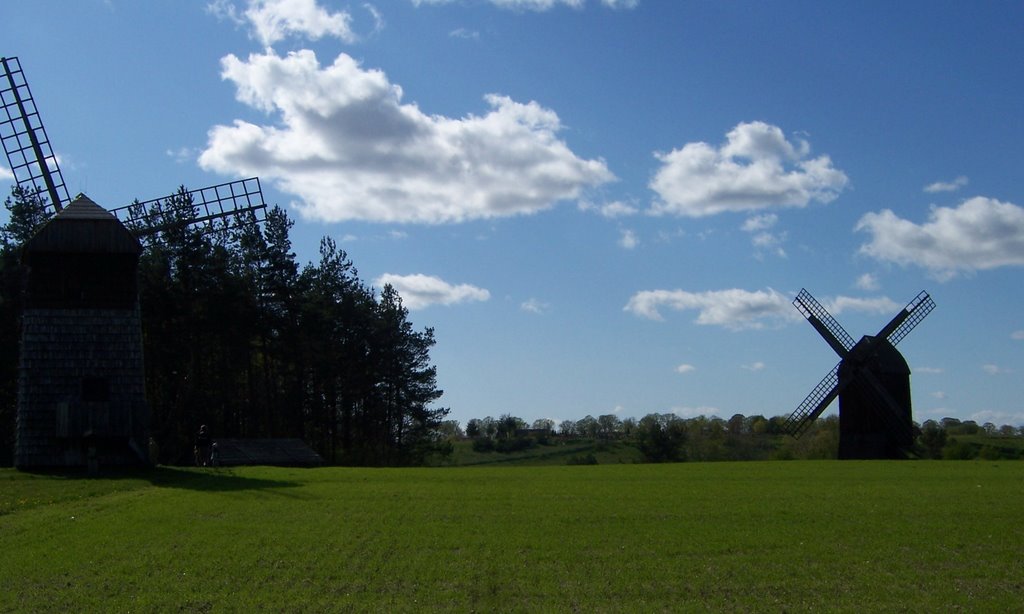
(350, 149)
(738, 309)
(877, 305)
(992, 369)
(421, 291)
(274, 20)
(734, 309)
(693, 412)
(868, 282)
(946, 186)
(464, 34)
(758, 223)
(534, 305)
(762, 237)
(755, 169)
(998, 417)
(683, 369)
(980, 234)
(6, 174)
(754, 366)
(612, 210)
(628, 239)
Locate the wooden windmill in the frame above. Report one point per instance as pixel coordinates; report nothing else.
(81, 381)
(872, 381)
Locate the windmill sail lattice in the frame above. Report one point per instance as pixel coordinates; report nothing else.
(225, 201)
(822, 321)
(820, 397)
(915, 311)
(28, 149)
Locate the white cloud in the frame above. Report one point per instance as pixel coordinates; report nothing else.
(879, 305)
(274, 20)
(693, 412)
(225, 10)
(762, 239)
(867, 282)
(734, 309)
(378, 19)
(754, 366)
(940, 395)
(981, 233)
(946, 186)
(610, 210)
(929, 370)
(1017, 335)
(421, 291)
(994, 369)
(683, 369)
(534, 305)
(6, 174)
(738, 309)
(998, 417)
(757, 223)
(351, 150)
(180, 155)
(628, 240)
(755, 169)
(464, 34)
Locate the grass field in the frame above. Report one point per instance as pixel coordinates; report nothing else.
(759, 536)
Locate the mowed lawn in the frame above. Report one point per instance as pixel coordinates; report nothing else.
(757, 536)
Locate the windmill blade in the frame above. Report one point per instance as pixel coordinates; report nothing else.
(820, 397)
(823, 322)
(28, 150)
(231, 202)
(906, 320)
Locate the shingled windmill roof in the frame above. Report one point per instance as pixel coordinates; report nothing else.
(83, 227)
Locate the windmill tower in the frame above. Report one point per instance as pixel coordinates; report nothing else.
(81, 381)
(872, 381)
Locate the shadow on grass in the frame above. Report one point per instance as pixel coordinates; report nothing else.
(220, 479)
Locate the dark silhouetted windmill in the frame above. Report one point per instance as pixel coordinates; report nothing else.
(872, 381)
(81, 388)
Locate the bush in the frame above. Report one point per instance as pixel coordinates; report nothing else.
(483, 444)
(512, 445)
(958, 450)
(580, 459)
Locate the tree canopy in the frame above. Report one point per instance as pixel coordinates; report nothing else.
(241, 337)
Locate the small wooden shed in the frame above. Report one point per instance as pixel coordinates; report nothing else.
(81, 378)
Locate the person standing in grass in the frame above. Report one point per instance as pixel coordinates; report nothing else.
(202, 448)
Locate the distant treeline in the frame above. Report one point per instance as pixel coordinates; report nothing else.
(670, 438)
(240, 337)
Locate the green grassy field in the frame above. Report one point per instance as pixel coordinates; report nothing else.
(759, 536)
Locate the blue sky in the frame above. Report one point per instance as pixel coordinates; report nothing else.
(600, 206)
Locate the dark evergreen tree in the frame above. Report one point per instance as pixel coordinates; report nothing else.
(27, 211)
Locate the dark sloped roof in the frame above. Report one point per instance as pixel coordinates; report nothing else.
(83, 227)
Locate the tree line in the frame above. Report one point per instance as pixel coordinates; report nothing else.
(241, 337)
(667, 437)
